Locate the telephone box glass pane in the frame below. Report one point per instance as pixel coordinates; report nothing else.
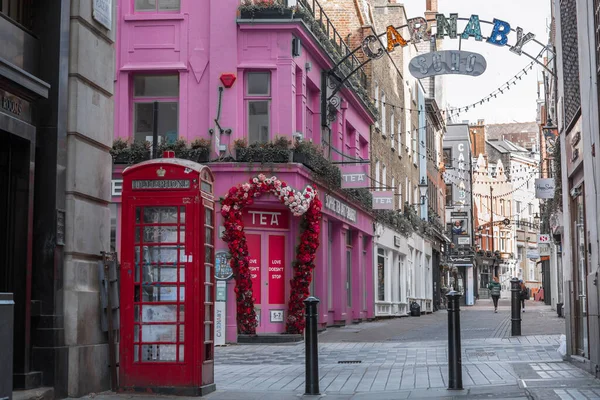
(136, 353)
(182, 214)
(156, 352)
(208, 258)
(136, 313)
(138, 213)
(208, 314)
(207, 294)
(159, 333)
(181, 357)
(181, 313)
(207, 273)
(208, 351)
(160, 215)
(208, 238)
(181, 334)
(161, 254)
(182, 234)
(159, 294)
(160, 234)
(208, 217)
(136, 333)
(159, 313)
(137, 234)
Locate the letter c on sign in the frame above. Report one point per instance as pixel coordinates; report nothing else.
(366, 47)
(461, 147)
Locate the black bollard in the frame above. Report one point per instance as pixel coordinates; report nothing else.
(515, 306)
(311, 347)
(454, 348)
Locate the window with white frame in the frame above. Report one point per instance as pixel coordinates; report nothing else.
(392, 126)
(160, 89)
(157, 5)
(377, 176)
(258, 106)
(407, 191)
(383, 121)
(393, 186)
(408, 142)
(399, 134)
(384, 177)
(377, 102)
(400, 197)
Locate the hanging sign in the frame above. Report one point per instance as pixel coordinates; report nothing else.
(418, 31)
(544, 250)
(545, 188)
(383, 200)
(533, 254)
(276, 269)
(451, 62)
(543, 238)
(354, 177)
(254, 261)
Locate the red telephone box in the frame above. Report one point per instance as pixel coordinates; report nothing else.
(167, 278)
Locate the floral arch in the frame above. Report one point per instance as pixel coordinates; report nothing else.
(301, 203)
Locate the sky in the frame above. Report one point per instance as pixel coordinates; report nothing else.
(519, 103)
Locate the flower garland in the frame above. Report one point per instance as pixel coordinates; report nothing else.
(303, 203)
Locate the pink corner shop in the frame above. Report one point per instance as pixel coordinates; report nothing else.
(171, 61)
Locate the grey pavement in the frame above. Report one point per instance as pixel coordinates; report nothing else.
(407, 359)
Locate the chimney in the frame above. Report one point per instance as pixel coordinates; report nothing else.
(431, 5)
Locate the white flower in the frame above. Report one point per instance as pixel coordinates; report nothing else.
(226, 208)
(255, 180)
(261, 177)
(246, 186)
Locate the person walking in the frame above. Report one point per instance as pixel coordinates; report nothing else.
(524, 294)
(495, 289)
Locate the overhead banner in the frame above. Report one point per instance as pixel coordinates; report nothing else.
(448, 62)
(383, 200)
(354, 177)
(545, 188)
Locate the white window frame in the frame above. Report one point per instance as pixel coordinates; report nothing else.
(384, 176)
(383, 122)
(377, 176)
(393, 139)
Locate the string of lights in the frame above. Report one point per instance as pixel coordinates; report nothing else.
(486, 196)
(499, 91)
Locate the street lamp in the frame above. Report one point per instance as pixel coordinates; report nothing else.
(423, 190)
(550, 134)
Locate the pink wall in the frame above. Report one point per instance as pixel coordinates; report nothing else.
(204, 41)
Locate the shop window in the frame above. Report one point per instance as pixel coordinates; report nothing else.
(399, 134)
(20, 11)
(448, 158)
(377, 176)
(157, 5)
(258, 106)
(329, 265)
(380, 275)
(349, 238)
(162, 90)
(349, 277)
(384, 177)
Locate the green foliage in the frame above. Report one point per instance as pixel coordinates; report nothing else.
(323, 170)
(276, 151)
(395, 220)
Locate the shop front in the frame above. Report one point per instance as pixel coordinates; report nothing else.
(391, 252)
(343, 274)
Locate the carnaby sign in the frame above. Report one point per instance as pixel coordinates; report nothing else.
(354, 177)
(383, 200)
(418, 30)
(447, 62)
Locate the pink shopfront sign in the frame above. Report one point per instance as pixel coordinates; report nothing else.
(276, 269)
(266, 219)
(383, 200)
(254, 261)
(354, 177)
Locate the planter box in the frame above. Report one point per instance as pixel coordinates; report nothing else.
(268, 13)
(201, 156)
(303, 158)
(122, 158)
(263, 156)
(125, 158)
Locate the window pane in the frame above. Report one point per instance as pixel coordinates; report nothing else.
(168, 121)
(156, 85)
(168, 5)
(259, 83)
(258, 121)
(145, 5)
(160, 215)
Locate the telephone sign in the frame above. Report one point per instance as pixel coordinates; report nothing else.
(544, 238)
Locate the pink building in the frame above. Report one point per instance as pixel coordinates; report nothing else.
(171, 56)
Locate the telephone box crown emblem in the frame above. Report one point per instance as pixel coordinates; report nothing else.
(161, 172)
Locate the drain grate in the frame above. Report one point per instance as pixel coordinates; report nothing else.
(350, 362)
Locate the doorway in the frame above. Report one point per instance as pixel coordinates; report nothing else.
(580, 278)
(14, 215)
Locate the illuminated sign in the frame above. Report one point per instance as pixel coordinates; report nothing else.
(148, 184)
(448, 62)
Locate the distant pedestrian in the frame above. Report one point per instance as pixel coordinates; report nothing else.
(495, 289)
(524, 295)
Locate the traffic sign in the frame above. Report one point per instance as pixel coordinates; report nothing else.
(543, 239)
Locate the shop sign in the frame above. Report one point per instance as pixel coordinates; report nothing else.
(383, 200)
(339, 208)
(266, 219)
(464, 240)
(276, 269)
(15, 106)
(223, 269)
(545, 188)
(544, 250)
(354, 177)
(543, 238)
(458, 214)
(153, 184)
(397, 241)
(533, 254)
(220, 313)
(451, 62)
(102, 13)
(254, 261)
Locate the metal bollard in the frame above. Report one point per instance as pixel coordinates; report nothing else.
(515, 306)
(454, 348)
(311, 347)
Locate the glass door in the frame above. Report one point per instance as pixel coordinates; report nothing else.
(160, 280)
(581, 276)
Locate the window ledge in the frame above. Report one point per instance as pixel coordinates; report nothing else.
(393, 149)
(154, 17)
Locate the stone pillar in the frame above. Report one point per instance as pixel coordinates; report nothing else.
(87, 189)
